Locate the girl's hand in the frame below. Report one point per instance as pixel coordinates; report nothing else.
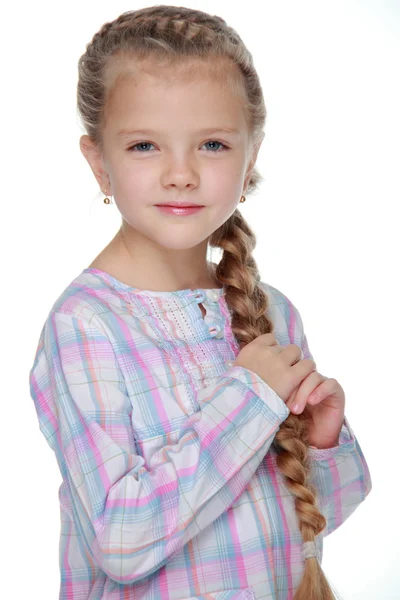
(322, 400)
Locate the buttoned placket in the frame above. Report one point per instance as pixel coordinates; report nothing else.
(214, 329)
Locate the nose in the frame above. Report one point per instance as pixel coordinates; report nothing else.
(180, 171)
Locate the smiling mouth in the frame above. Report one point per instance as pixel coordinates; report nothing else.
(182, 205)
(179, 210)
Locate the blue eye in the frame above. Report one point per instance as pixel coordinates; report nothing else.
(140, 144)
(141, 147)
(216, 142)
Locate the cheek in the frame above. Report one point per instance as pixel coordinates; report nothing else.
(134, 177)
(229, 190)
(228, 177)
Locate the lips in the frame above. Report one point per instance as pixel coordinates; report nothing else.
(179, 210)
(181, 205)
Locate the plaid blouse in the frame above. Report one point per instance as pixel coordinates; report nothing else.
(170, 488)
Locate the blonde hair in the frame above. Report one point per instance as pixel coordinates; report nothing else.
(181, 36)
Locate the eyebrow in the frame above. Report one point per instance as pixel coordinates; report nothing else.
(207, 131)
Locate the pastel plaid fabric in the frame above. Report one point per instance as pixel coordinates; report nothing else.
(170, 488)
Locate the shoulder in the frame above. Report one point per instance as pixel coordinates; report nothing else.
(91, 299)
(88, 308)
(275, 296)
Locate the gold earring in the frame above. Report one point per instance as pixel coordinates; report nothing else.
(107, 200)
(243, 199)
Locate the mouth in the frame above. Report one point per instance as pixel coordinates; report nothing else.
(177, 205)
(179, 210)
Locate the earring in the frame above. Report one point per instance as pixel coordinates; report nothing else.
(107, 200)
(243, 199)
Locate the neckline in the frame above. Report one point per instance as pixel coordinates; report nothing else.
(124, 287)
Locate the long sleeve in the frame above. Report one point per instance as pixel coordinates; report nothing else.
(132, 516)
(341, 477)
(340, 474)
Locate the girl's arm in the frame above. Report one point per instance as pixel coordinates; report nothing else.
(340, 474)
(341, 477)
(132, 516)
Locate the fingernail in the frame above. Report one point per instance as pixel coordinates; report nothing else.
(296, 408)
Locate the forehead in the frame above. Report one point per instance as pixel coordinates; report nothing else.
(171, 70)
(184, 89)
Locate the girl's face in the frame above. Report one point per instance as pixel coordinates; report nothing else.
(165, 141)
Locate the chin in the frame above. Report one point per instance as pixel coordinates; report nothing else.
(181, 244)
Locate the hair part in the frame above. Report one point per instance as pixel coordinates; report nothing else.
(190, 41)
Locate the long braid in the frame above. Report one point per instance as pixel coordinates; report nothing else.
(248, 302)
(176, 34)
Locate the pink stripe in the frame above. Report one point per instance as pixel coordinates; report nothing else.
(138, 502)
(287, 548)
(68, 584)
(87, 431)
(43, 405)
(292, 322)
(240, 563)
(337, 495)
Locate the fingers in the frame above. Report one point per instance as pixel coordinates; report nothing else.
(325, 388)
(298, 401)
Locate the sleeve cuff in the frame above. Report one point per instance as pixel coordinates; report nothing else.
(261, 388)
(347, 443)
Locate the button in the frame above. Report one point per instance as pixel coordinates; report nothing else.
(214, 296)
(199, 295)
(216, 331)
(229, 363)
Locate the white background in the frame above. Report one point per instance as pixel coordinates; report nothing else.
(326, 218)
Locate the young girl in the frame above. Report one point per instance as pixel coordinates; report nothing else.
(202, 454)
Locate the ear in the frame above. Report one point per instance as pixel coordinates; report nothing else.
(252, 162)
(95, 159)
